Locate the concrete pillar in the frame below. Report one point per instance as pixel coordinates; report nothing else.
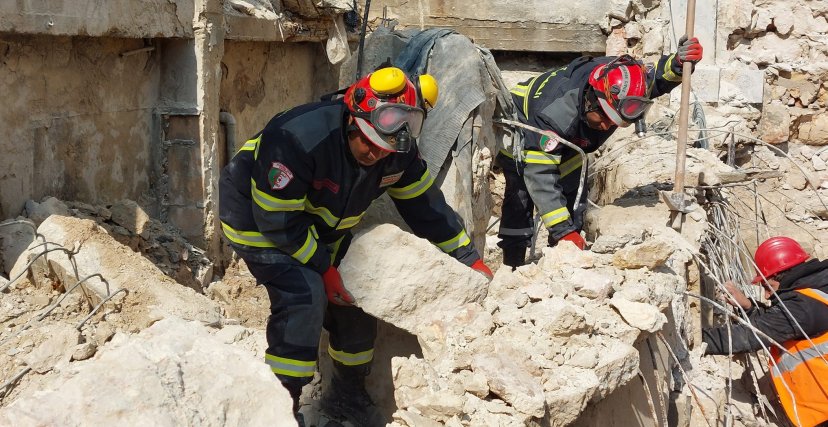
(208, 28)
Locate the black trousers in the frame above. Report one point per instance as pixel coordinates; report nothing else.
(517, 220)
(299, 309)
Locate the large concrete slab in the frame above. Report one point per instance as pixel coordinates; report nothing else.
(534, 25)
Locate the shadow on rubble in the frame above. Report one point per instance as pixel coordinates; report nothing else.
(643, 195)
(391, 342)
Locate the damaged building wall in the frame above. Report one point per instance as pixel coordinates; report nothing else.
(77, 119)
(262, 79)
(100, 119)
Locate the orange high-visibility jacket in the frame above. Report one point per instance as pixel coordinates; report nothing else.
(801, 377)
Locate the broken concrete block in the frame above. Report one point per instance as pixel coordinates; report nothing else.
(14, 239)
(152, 295)
(610, 243)
(705, 81)
(59, 347)
(775, 124)
(512, 384)
(642, 316)
(129, 215)
(84, 351)
(592, 284)
(165, 374)
(815, 130)
(38, 212)
(741, 85)
(415, 284)
(557, 317)
(650, 254)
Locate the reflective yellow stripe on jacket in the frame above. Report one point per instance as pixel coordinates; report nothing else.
(669, 75)
(246, 238)
(414, 189)
(307, 250)
(458, 241)
(331, 219)
(555, 217)
(274, 204)
(571, 165)
(251, 144)
(541, 158)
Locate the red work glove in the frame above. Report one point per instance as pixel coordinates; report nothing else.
(688, 50)
(336, 291)
(574, 237)
(483, 268)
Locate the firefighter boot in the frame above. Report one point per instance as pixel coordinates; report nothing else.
(295, 390)
(514, 256)
(346, 398)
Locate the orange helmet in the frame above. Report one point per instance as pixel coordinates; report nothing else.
(620, 87)
(776, 255)
(386, 110)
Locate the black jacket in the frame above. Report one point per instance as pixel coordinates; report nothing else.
(811, 314)
(554, 101)
(296, 189)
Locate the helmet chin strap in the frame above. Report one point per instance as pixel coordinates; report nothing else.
(590, 103)
(404, 140)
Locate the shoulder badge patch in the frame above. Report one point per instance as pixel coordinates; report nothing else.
(390, 179)
(279, 176)
(548, 144)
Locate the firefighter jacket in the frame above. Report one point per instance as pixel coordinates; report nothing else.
(800, 376)
(812, 315)
(296, 189)
(554, 101)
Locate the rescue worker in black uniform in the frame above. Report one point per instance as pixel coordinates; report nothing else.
(797, 288)
(583, 102)
(288, 201)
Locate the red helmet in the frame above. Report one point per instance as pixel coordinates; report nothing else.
(385, 108)
(621, 89)
(776, 255)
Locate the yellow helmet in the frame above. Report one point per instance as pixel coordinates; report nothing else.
(388, 81)
(428, 90)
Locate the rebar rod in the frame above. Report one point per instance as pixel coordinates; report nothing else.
(30, 263)
(649, 397)
(685, 376)
(65, 294)
(95, 310)
(12, 380)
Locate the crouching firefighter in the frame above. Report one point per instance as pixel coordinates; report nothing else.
(584, 102)
(288, 201)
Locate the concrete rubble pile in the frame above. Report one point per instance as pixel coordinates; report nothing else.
(132, 340)
(127, 223)
(539, 343)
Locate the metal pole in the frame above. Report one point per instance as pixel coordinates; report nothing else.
(362, 40)
(681, 148)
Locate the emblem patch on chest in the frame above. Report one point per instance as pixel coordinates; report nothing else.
(390, 179)
(279, 176)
